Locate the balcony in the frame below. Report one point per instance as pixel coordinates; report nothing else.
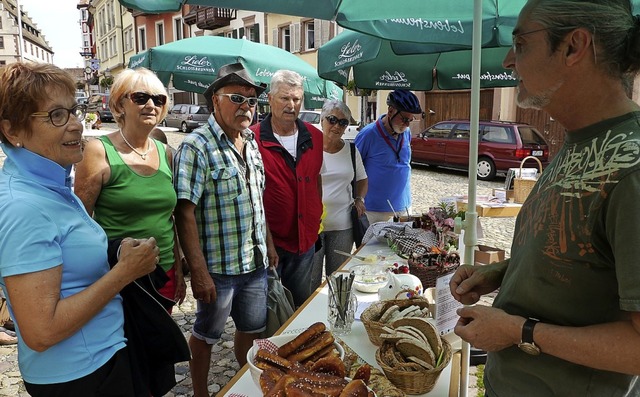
(209, 18)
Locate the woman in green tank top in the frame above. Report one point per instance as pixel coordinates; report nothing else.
(125, 179)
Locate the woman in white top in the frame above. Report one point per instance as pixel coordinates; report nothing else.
(337, 195)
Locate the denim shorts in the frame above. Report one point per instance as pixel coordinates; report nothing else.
(244, 297)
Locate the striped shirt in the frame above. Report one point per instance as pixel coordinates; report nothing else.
(227, 192)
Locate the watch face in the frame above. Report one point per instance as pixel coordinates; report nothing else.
(529, 348)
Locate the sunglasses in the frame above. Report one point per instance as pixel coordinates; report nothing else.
(240, 99)
(406, 120)
(141, 98)
(333, 120)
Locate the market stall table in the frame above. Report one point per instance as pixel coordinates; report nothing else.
(315, 309)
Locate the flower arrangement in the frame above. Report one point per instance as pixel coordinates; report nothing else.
(90, 118)
(442, 221)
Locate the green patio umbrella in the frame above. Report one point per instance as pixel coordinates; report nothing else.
(422, 21)
(374, 63)
(192, 64)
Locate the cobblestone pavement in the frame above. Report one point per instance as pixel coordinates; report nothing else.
(429, 185)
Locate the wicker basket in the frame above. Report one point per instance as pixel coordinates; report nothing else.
(372, 314)
(523, 186)
(414, 382)
(429, 266)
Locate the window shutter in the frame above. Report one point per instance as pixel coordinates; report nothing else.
(317, 33)
(295, 38)
(234, 34)
(274, 33)
(255, 33)
(241, 33)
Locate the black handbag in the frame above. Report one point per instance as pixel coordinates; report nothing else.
(360, 224)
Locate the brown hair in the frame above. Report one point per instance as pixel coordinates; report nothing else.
(24, 86)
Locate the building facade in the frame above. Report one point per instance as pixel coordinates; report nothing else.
(27, 43)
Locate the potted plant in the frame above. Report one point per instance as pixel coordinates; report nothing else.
(90, 120)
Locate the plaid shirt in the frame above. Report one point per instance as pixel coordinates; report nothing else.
(229, 210)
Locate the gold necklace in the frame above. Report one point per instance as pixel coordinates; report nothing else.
(143, 155)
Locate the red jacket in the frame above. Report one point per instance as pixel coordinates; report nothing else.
(292, 202)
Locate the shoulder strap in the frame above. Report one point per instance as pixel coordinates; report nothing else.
(353, 165)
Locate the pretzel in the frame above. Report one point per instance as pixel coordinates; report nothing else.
(313, 389)
(310, 333)
(323, 340)
(330, 365)
(355, 388)
(268, 379)
(272, 360)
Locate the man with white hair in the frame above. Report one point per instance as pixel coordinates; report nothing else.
(292, 153)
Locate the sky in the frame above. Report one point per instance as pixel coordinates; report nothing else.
(58, 21)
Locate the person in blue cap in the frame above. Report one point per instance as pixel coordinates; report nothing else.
(386, 154)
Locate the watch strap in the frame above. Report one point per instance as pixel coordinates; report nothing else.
(527, 329)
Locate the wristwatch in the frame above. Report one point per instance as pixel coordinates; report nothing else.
(359, 198)
(526, 344)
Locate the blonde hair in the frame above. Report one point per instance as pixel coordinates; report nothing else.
(122, 86)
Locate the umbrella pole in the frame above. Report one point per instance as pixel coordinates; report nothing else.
(471, 217)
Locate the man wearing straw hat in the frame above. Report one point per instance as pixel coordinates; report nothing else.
(566, 320)
(221, 223)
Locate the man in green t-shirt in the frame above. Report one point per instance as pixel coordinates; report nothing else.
(566, 320)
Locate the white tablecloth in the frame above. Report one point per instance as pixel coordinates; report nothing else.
(316, 310)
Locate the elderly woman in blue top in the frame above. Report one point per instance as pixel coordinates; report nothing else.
(53, 256)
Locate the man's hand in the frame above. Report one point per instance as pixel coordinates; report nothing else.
(272, 256)
(202, 286)
(469, 283)
(488, 328)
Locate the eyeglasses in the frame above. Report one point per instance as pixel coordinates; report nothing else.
(406, 120)
(60, 116)
(333, 120)
(240, 99)
(514, 37)
(141, 98)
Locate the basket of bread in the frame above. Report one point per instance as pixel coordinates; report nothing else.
(413, 355)
(380, 314)
(309, 363)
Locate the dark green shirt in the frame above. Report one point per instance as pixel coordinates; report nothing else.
(575, 259)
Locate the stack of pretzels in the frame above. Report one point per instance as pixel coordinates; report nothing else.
(307, 366)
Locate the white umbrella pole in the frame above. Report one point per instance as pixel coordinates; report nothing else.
(471, 216)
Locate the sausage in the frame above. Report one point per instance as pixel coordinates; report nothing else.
(290, 347)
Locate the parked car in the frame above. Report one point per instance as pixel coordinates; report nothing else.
(186, 117)
(501, 145)
(313, 117)
(99, 104)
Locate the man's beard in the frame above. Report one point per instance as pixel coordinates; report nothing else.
(537, 101)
